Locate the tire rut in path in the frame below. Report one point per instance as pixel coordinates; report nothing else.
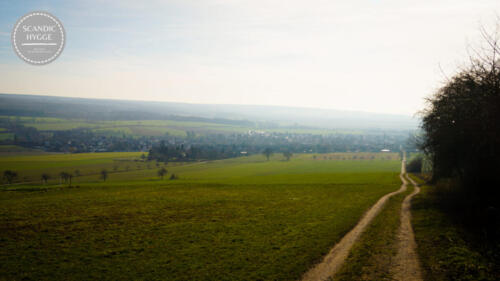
(332, 262)
(405, 266)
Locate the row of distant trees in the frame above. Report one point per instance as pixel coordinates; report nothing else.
(10, 176)
(167, 152)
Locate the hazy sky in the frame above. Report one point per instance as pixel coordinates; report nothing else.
(378, 56)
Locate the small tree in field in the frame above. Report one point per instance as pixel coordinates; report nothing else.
(66, 177)
(287, 155)
(104, 174)
(267, 152)
(70, 178)
(162, 172)
(45, 177)
(63, 176)
(9, 176)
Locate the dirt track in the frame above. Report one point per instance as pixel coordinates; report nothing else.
(405, 265)
(332, 262)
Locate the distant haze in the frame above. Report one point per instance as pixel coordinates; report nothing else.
(363, 55)
(78, 108)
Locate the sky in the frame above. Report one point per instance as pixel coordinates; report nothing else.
(364, 55)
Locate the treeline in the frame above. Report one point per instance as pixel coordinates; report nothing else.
(185, 152)
(65, 176)
(218, 146)
(195, 152)
(462, 136)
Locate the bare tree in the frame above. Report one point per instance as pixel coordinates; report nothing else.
(45, 177)
(63, 176)
(9, 176)
(162, 172)
(461, 124)
(287, 155)
(268, 152)
(104, 174)
(66, 177)
(70, 178)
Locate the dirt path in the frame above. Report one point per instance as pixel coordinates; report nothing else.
(335, 258)
(406, 265)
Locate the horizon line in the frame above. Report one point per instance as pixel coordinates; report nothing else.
(214, 104)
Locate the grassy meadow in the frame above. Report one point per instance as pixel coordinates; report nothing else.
(236, 219)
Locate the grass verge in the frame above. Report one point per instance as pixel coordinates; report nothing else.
(447, 250)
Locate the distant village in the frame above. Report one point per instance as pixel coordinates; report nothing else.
(195, 146)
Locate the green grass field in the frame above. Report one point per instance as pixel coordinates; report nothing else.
(14, 150)
(31, 167)
(235, 219)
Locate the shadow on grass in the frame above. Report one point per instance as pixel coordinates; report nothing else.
(457, 240)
